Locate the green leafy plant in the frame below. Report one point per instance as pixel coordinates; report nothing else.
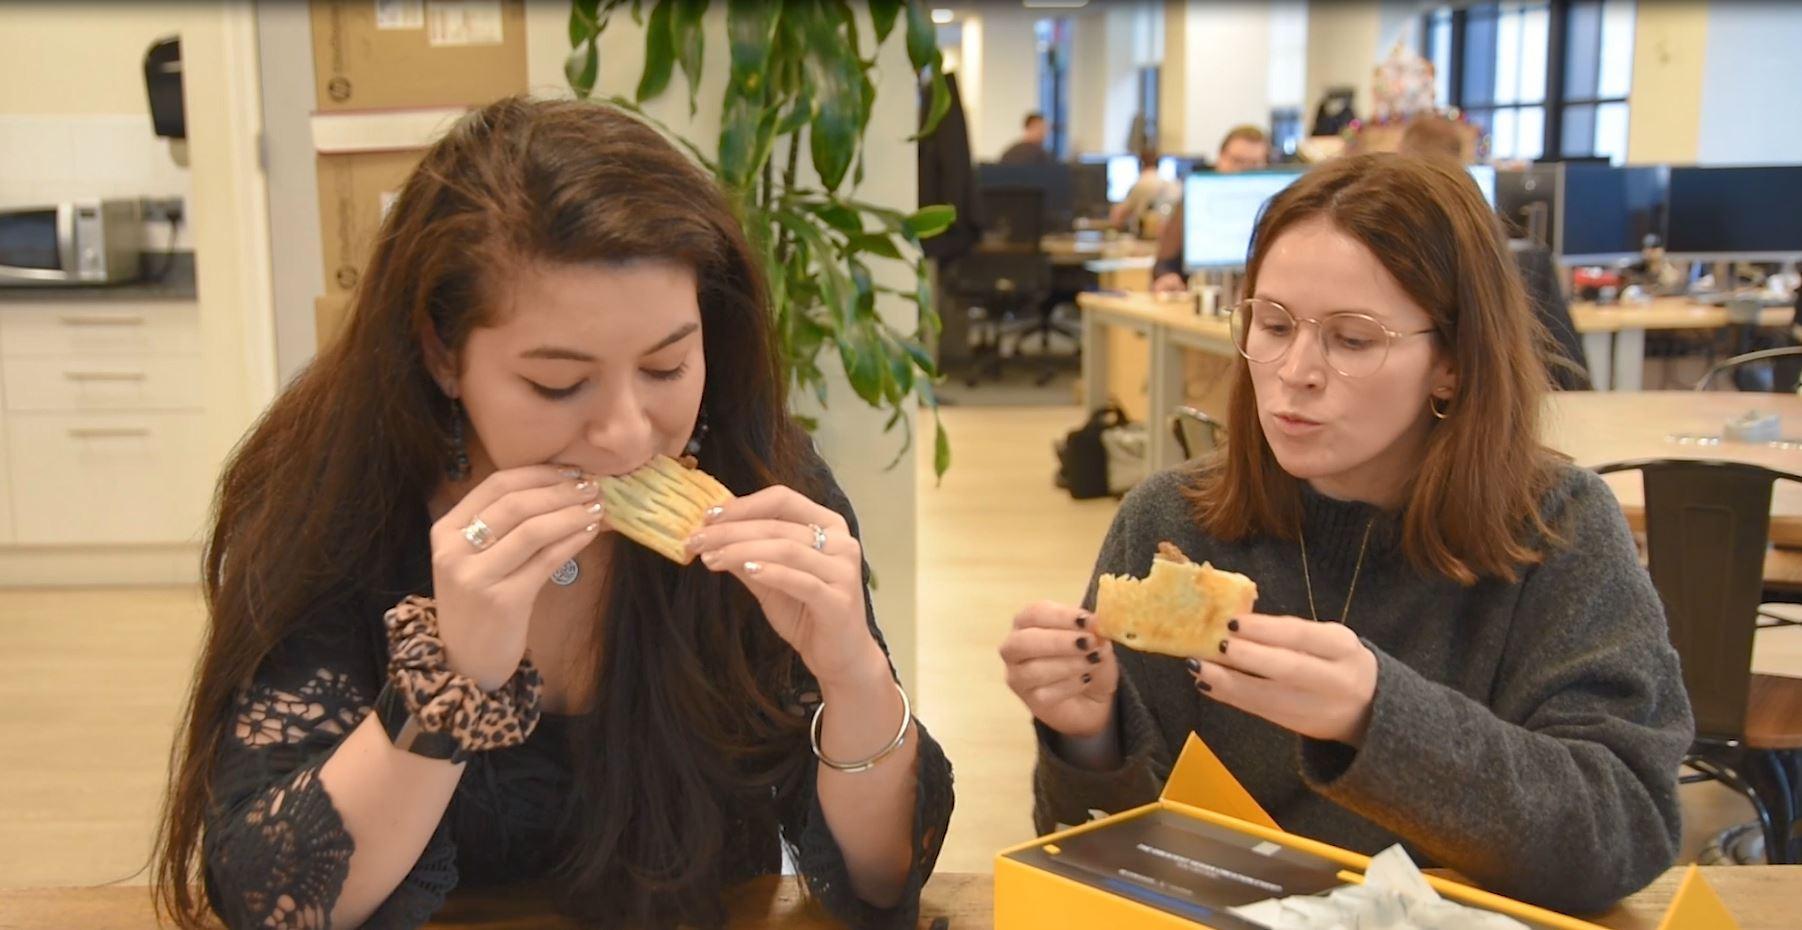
(800, 87)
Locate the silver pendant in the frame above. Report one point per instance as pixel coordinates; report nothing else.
(567, 574)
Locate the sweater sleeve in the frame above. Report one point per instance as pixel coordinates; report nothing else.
(1561, 791)
(276, 851)
(817, 854)
(1068, 794)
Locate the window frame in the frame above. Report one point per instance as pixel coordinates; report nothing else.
(1557, 100)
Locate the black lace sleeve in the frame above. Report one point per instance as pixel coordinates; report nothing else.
(817, 855)
(276, 851)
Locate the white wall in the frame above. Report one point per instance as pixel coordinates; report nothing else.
(850, 434)
(1750, 84)
(1112, 42)
(1000, 81)
(1342, 50)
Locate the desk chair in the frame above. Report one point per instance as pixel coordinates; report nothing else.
(1775, 371)
(1196, 432)
(999, 287)
(1707, 525)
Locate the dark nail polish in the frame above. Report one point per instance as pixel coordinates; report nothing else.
(1094, 658)
(1232, 626)
(1082, 643)
(1086, 678)
(1082, 621)
(1202, 685)
(1223, 647)
(1194, 665)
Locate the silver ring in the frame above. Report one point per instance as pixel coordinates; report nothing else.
(819, 537)
(478, 534)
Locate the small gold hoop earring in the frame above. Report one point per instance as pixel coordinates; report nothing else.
(1438, 414)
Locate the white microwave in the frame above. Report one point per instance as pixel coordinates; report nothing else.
(94, 241)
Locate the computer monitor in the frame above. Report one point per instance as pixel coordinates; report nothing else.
(1609, 214)
(1220, 212)
(1527, 200)
(1122, 174)
(1484, 175)
(1088, 189)
(1053, 178)
(1747, 213)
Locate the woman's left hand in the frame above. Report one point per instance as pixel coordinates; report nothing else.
(1317, 679)
(812, 595)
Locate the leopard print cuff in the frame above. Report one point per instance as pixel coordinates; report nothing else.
(446, 702)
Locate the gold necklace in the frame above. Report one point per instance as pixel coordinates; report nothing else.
(1345, 611)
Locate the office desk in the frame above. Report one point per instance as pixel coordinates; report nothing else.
(1594, 428)
(1614, 335)
(1761, 897)
(1076, 249)
(1169, 328)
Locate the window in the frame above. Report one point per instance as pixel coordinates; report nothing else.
(1543, 78)
(1148, 106)
(1054, 83)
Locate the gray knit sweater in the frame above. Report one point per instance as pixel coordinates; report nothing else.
(1527, 735)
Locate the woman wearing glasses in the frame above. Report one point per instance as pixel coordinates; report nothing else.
(1456, 648)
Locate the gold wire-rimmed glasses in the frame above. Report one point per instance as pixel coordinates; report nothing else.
(1354, 344)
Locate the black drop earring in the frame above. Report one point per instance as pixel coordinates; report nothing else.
(691, 453)
(458, 466)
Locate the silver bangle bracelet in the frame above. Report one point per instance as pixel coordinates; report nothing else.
(863, 765)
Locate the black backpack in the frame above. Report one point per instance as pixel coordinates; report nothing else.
(1082, 459)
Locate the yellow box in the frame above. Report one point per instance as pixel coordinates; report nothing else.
(1201, 787)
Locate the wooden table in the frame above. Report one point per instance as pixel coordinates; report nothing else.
(1169, 327)
(1077, 248)
(1594, 428)
(1614, 335)
(1761, 897)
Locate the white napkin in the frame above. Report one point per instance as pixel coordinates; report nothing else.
(1394, 896)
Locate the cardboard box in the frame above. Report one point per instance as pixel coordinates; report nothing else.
(381, 54)
(355, 191)
(1029, 896)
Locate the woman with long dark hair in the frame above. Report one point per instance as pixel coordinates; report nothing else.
(1455, 646)
(431, 664)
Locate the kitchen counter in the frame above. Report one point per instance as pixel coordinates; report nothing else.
(178, 284)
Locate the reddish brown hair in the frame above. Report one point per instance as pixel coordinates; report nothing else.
(1473, 508)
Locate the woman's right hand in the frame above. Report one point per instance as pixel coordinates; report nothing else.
(538, 517)
(1061, 670)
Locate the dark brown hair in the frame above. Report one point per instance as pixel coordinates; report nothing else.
(687, 737)
(1246, 132)
(1473, 508)
(1433, 136)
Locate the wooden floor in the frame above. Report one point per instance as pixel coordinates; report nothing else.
(91, 680)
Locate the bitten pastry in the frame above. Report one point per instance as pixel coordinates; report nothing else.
(1179, 609)
(661, 504)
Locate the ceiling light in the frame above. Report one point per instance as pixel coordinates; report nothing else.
(941, 16)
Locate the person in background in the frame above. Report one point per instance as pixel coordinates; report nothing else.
(1030, 150)
(1434, 136)
(1149, 192)
(1245, 148)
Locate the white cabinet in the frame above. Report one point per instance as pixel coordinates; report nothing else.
(102, 423)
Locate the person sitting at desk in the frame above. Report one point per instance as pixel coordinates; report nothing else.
(1030, 149)
(413, 527)
(1245, 148)
(1456, 647)
(1150, 192)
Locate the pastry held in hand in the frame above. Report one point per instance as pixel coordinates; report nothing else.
(1180, 609)
(661, 504)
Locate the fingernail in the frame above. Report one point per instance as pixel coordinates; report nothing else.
(596, 508)
(570, 472)
(1193, 665)
(1094, 658)
(1082, 621)
(1202, 685)
(1082, 644)
(1223, 647)
(591, 527)
(752, 568)
(714, 513)
(696, 541)
(1232, 626)
(584, 486)
(710, 559)
(1086, 678)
